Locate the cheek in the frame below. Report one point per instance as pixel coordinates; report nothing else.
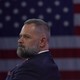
(29, 43)
(34, 43)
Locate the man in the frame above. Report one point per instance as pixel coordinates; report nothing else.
(33, 46)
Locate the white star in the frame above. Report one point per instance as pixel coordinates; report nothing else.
(65, 9)
(40, 3)
(57, 3)
(23, 4)
(7, 18)
(50, 23)
(1, 25)
(66, 23)
(49, 10)
(0, 11)
(16, 24)
(32, 10)
(24, 17)
(15, 11)
(7, 4)
(41, 16)
(57, 16)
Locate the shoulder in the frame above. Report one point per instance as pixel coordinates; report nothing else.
(43, 61)
(42, 65)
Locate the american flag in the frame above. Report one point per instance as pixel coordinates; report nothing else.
(63, 17)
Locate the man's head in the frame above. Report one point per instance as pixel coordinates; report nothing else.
(34, 37)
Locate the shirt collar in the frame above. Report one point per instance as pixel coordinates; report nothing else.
(43, 51)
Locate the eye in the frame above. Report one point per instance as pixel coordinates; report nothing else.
(27, 36)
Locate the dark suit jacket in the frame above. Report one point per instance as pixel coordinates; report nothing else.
(40, 67)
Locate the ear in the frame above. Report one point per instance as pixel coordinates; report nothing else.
(42, 42)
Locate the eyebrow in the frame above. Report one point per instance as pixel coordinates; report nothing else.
(24, 34)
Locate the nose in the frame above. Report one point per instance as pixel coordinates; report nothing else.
(20, 40)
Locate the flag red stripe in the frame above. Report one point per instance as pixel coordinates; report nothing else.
(64, 75)
(65, 53)
(70, 75)
(57, 53)
(8, 54)
(3, 75)
(77, 8)
(77, 30)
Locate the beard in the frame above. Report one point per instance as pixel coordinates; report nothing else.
(27, 52)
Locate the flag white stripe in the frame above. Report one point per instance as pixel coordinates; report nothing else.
(9, 64)
(76, 1)
(65, 42)
(55, 42)
(8, 43)
(71, 64)
(76, 19)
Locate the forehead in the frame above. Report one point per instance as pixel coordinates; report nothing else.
(28, 27)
